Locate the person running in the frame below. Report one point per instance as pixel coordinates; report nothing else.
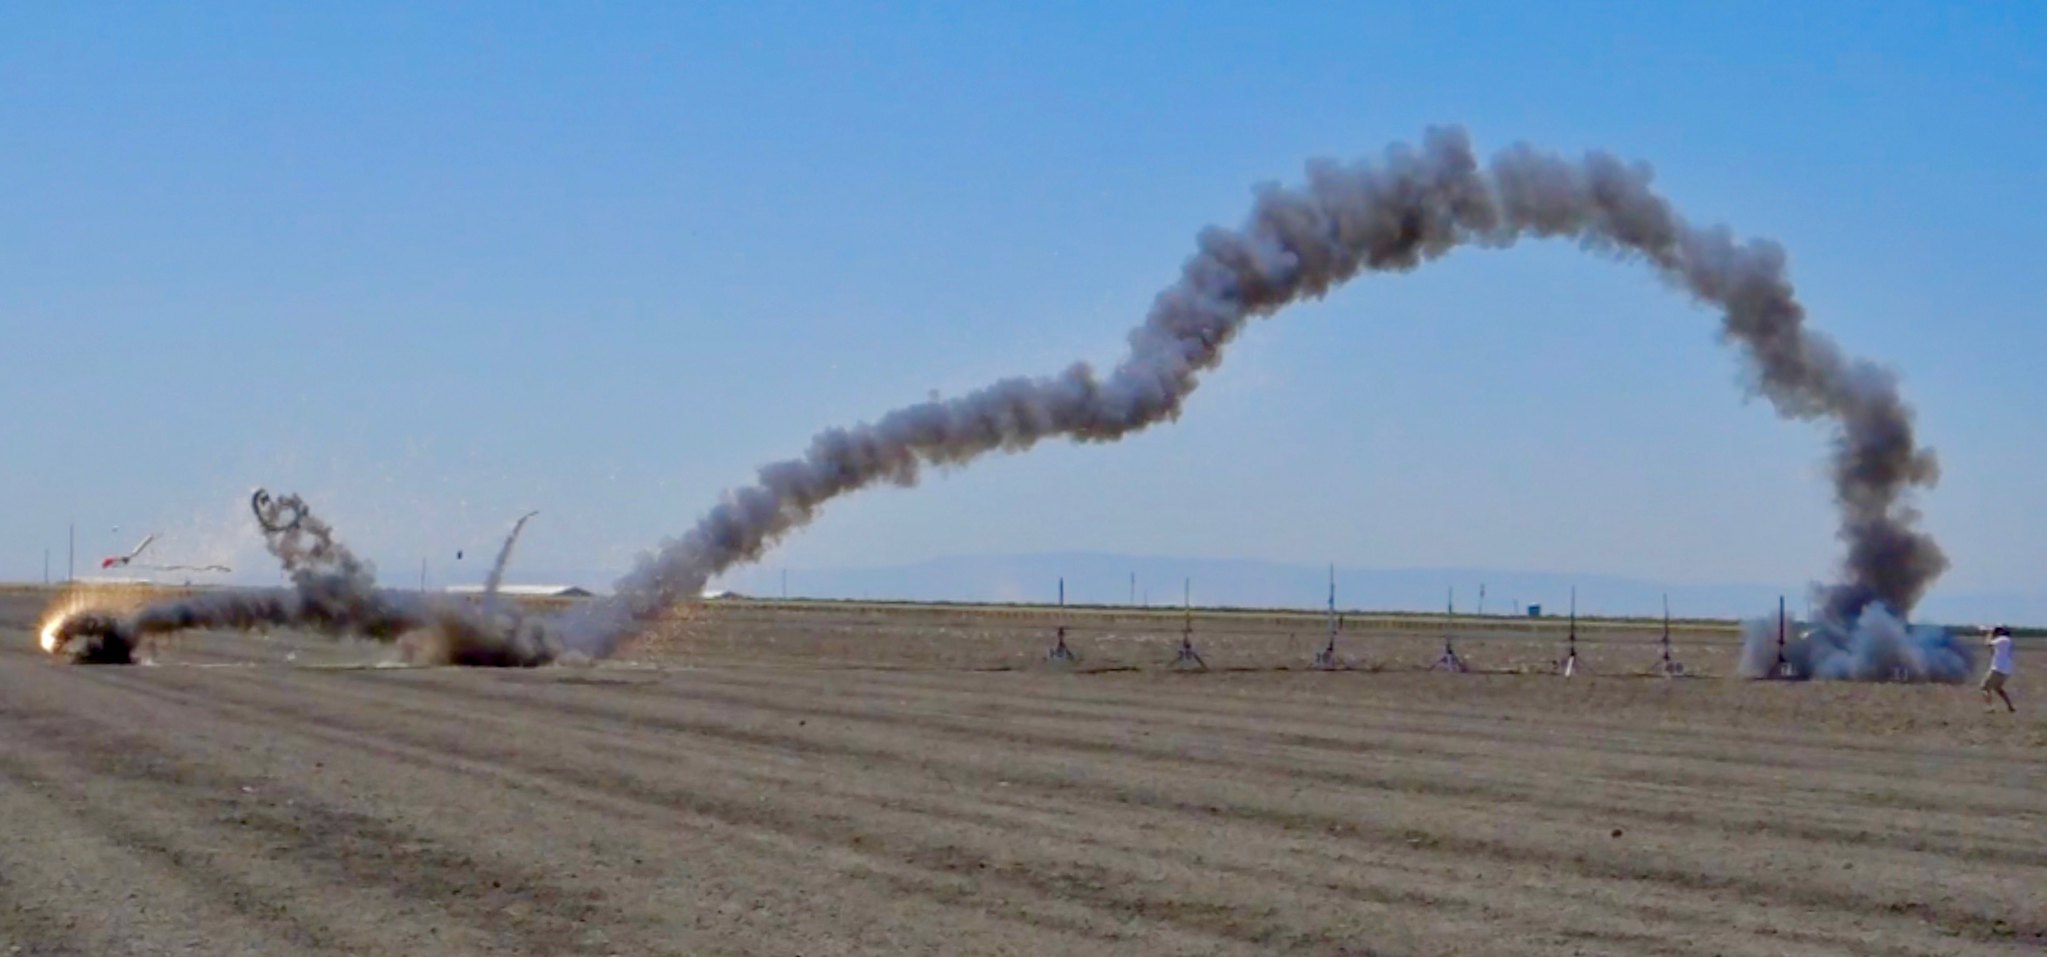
(2000, 667)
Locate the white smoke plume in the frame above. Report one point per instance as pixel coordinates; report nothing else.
(1875, 646)
(1410, 206)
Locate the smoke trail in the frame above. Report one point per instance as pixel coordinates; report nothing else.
(497, 568)
(1875, 646)
(1411, 206)
(333, 593)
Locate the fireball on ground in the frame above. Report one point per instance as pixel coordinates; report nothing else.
(56, 629)
(86, 632)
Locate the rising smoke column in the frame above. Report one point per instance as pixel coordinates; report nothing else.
(497, 568)
(1411, 206)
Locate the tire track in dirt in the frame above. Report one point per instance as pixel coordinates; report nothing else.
(1437, 747)
(1593, 762)
(214, 899)
(323, 841)
(610, 778)
(28, 919)
(1773, 890)
(1798, 754)
(729, 812)
(551, 706)
(1182, 751)
(891, 752)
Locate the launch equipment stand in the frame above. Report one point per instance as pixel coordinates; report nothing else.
(1668, 667)
(1782, 667)
(1327, 659)
(1188, 659)
(1569, 665)
(1060, 653)
(1448, 660)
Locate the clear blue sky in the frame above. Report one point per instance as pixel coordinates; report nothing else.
(433, 265)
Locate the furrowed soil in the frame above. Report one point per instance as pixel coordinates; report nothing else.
(816, 781)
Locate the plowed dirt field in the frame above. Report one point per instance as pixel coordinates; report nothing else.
(794, 783)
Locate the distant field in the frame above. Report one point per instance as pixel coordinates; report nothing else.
(825, 778)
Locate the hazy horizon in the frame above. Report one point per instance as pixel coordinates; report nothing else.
(1105, 578)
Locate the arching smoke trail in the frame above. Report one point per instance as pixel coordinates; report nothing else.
(1411, 206)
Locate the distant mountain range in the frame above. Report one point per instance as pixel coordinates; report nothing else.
(1107, 579)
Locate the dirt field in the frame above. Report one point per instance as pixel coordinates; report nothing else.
(837, 782)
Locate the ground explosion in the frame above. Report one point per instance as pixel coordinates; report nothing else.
(1411, 205)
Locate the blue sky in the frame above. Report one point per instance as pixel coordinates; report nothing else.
(434, 265)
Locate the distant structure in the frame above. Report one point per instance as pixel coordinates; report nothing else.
(538, 591)
(113, 580)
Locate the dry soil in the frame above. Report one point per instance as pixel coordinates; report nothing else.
(821, 782)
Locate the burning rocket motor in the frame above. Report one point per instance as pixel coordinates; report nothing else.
(89, 638)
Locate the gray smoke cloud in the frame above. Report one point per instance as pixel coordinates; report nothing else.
(1409, 206)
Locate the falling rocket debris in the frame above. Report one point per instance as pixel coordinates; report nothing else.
(1409, 206)
(129, 561)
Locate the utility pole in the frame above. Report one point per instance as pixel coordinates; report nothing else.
(785, 584)
(1133, 588)
(422, 574)
(71, 555)
(46, 568)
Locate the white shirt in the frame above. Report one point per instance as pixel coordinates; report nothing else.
(2000, 654)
